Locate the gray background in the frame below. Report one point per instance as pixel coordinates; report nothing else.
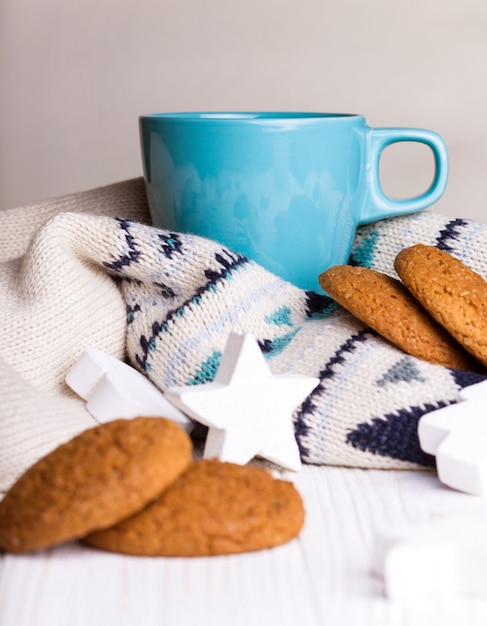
(75, 76)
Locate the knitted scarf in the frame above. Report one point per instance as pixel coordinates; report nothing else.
(89, 270)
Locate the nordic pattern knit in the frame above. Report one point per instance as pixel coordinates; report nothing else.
(94, 274)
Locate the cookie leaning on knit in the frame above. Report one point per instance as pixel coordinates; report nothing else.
(454, 294)
(212, 509)
(100, 477)
(384, 304)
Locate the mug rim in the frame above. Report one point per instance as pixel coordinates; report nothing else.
(251, 116)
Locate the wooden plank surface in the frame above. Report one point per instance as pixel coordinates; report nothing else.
(326, 577)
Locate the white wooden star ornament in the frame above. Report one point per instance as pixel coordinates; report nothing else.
(248, 409)
(434, 558)
(113, 390)
(457, 436)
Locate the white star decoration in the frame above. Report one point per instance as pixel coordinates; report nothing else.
(248, 409)
(113, 390)
(457, 436)
(439, 557)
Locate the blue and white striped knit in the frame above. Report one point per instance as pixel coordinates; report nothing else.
(184, 295)
(72, 275)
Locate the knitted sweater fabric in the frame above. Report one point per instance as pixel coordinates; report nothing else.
(88, 270)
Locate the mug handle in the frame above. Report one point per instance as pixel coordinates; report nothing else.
(380, 206)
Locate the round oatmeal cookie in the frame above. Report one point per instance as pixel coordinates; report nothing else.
(454, 294)
(95, 480)
(214, 508)
(384, 304)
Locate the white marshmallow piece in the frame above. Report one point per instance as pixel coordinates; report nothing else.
(457, 436)
(115, 390)
(248, 409)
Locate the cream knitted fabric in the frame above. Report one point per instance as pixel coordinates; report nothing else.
(73, 275)
(53, 303)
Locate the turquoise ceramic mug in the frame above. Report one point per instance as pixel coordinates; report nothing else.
(287, 190)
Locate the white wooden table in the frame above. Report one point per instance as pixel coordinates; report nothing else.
(324, 578)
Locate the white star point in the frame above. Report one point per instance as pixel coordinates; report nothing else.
(248, 409)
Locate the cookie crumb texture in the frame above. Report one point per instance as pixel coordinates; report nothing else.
(384, 304)
(454, 294)
(214, 508)
(100, 477)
